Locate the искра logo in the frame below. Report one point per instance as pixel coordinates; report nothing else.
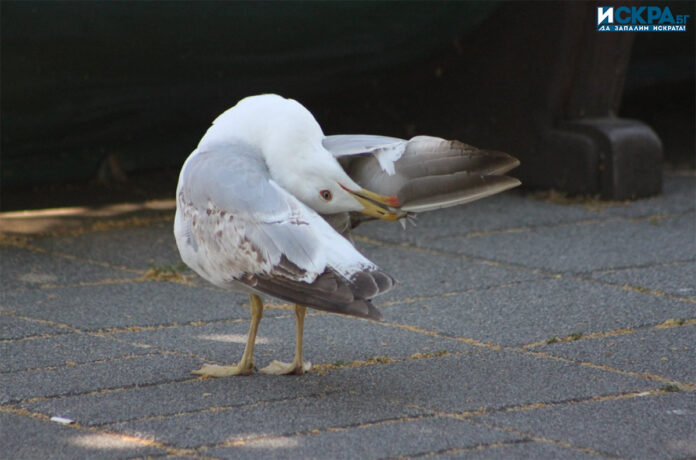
(639, 19)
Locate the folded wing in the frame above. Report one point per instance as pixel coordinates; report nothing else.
(235, 225)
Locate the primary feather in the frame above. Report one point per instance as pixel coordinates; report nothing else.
(428, 173)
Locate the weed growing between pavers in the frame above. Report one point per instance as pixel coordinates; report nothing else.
(164, 272)
(671, 388)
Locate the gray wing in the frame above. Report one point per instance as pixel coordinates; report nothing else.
(234, 224)
(425, 173)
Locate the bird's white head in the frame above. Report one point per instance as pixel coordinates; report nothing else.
(322, 185)
(291, 141)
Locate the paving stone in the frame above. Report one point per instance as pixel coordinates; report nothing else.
(519, 450)
(327, 338)
(17, 328)
(483, 379)
(669, 353)
(678, 279)
(678, 196)
(179, 397)
(133, 247)
(425, 274)
(267, 419)
(24, 269)
(28, 438)
(586, 247)
(410, 437)
(17, 386)
(128, 304)
(61, 350)
(508, 210)
(650, 427)
(536, 311)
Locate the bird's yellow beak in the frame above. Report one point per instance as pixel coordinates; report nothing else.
(376, 205)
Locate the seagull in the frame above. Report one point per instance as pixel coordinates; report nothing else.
(266, 202)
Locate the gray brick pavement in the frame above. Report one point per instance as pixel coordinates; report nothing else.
(523, 327)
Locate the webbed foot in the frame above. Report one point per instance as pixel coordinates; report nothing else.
(213, 370)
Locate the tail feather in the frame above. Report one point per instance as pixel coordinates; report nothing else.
(329, 291)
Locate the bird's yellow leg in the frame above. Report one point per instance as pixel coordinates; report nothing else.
(297, 367)
(246, 365)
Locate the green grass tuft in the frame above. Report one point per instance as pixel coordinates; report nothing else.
(575, 336)
(671, 388)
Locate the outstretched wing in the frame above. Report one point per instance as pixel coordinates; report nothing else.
(425, 173)
(386, 150)
(234, 224)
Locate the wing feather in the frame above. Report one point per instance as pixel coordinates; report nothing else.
(234, 225)
(386, 150)
(341, 145)
(430, 173)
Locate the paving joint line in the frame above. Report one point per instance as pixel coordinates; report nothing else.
(601, 271)
(69, 256)
(458, 450)
(603, 367)
(632, 288)
(38, 399)
(69, 363)
(158, 349)
(521, 229)
(469, 415)
(141, 278)
(103, 282)
(317, 431)
(542, 355)
(457, 255)
(47, 322)
(226, 408)
(138, 441)
(29, 338)
(97, 333)
(668, 324)
(409, 300)
(159, 353)
(115, 330)
(555, 442)
(320, 369)
(158, 327)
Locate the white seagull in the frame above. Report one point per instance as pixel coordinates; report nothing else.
(266, 201)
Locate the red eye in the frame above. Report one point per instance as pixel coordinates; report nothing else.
(326, 195)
